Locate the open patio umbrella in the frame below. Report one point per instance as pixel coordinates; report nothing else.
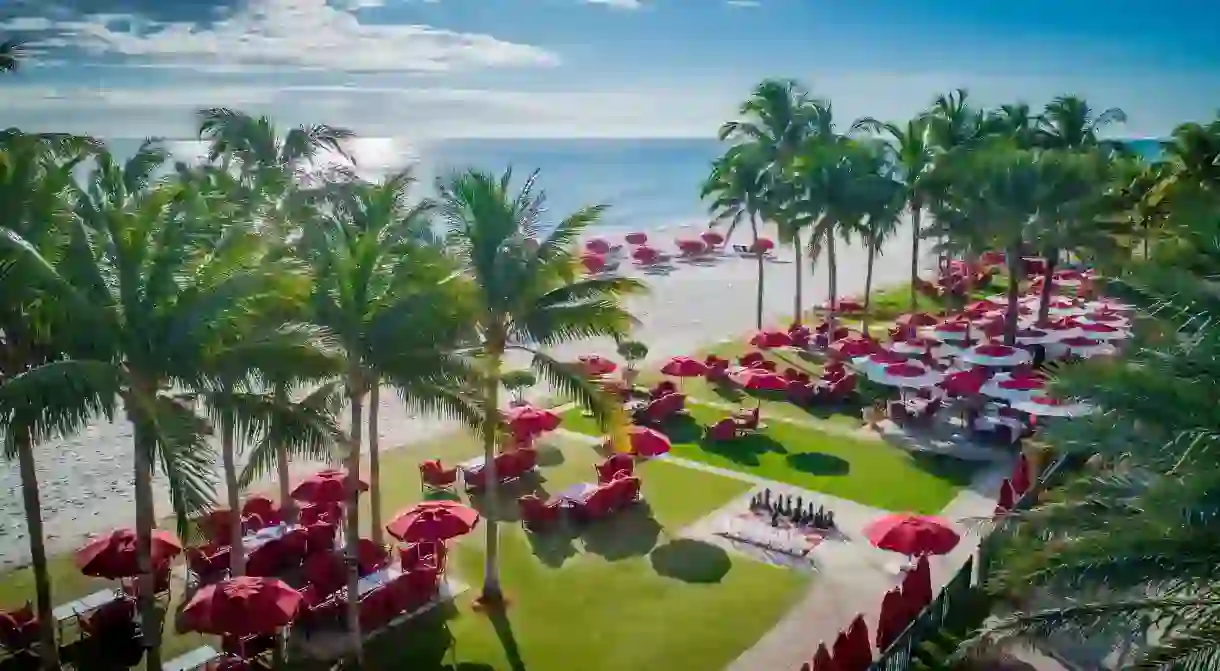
(906, 376)
(770, 338)
(1006, 498)
(1032, 336)
(242, 606)
(916, 319)
(911, 535)
(1106, 317)
(764, 244)
(917, 586)
(852, 347)
(822, 661)
(985, 305)
(433, 521)
(993, 354)
(712, 238)
(1012, 388)
(637, 238)
(1047, 406)
(113, 555)
(893, 618)
(598, 246)
(645, 254)
(1087, 347)
(326, 486)
(1100, 331)
(951, 330)
(594, 365)
(964, 382)
(1022, 478)
(691, 245)
(646, 442)
(684, 366)
(526, 420)
(757, 379)
(916, 345)
(877, 361)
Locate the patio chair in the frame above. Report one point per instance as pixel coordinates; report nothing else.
(370, 556)
(246, 648)
(435, 477)
(264, 507)
(267, 560)
(527, 459)
(419, 588)
(207, 564)
(311, 513)
(799, 393)
(722, 431)
(474, 481)
(751, 360)
(612, 465)
(320, 537)
(626, 491)
(112, 621)
(161, 579)
(218, 526)
(537, 514)
(325, 571)
(749, 422)
(663, 388)
(19, 630)
(376, 609)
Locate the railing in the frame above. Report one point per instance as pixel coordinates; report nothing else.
(897, 657)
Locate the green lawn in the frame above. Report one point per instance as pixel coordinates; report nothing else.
(620, 594)
(869, 471)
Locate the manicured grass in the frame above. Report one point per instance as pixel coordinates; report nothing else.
(869, 471)
(593, 594)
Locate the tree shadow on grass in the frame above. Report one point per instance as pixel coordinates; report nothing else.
(549, 455)
(744, 450)
(505, 508)
(957, 472)
(553, 545)
(632, 532)
(691, 560)
(432, 644)
(819, 463)
(729, 392)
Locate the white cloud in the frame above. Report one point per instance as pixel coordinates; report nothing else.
(743, 3)
(296, 33)
(24, 23)
(619, 4)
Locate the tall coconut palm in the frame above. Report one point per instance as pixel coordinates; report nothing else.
(1069, 123)
(1016, 122)
(388, 301)
(35, 175)
(736, 188)
(525, 296)
(153, 303)
(882, 200)
(913, 155)
(954, 125)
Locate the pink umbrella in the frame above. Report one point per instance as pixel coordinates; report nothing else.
(852, 347)
(763, 245)
(326, 486)
(1012, 388)
(598, 246)
(637, 238)
(530, 421)
(690, 245)
(770, 338)
(992, 354)
(712, 238)
(594, 365)
(684, 366)
(964, 383)
(906, 375)
(951, 329)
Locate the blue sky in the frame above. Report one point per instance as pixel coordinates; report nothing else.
(579, 68)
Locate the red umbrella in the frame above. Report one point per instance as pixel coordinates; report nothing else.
(598, 246)
(852, 347)
(327, 486)
(857, 633)
(113, 555)
(528, 420)
(757, 379)
(646, 442)
(684, 366)
(1021, 476)
(596, 365)
(645, 254)
(1007, 497)
(983, 306)
(911, 534)
(763, 244)
(916, 319)
(593, 263)
(893, 618)
(712, 238)
(822, 661)
(917, 586)
(241, 606)
(433, 521)
(690, 244)
(770, 338)
(964, 383)
(637, 238)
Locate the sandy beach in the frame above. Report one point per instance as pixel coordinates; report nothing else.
(86, 481)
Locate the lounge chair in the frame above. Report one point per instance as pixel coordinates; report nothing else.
(320, 537)
(370, 556)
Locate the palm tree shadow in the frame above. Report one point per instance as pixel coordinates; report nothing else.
(504, 631)
(819, 463)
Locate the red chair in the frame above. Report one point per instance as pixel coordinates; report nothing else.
(267, 560)
(751, 360)
(208, 563)
(371, 556)
(750, 421)
(527, 459)
(767, 365)
(325, 571)
(264, 507)
(320, 537)
(599, 504)
(663, 389)
(474, 480)
(19, 629)
(375, 609)
(436, 477)
(614, 464)
(423, 588)
(723, 430)
(537, 514)
(312, 513)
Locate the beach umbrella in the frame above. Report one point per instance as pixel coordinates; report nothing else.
(645, 254)
(1106, 317)
(637, 238)
(690, 245)
(769, 338)
(844, 654)
(905, 375)
(763, 244)
(1032, 336)
(822, 661)
(757, 379)
(712, 238)
(1022, 477)
(993, 354)
(852, 347)
(893, 618)
(433, 521)
(917, 586)
(593, 263)
(684, 366)
(242, 606)
(526, 420)
(595, 365)
(1100, 331)
(1006, 499)
(862, 645)
(326, 486)
(964, 383)
(915, 345)
(912, 535)
(646, 442)
(878, 360)
(916, 319)
(1012, 388)
(951, 330)
(1086, 347)
(1047, 406)
(113, 555)
(598, 246)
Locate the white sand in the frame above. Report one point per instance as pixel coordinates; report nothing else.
(86, 482)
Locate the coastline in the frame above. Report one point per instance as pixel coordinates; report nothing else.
(86, 485)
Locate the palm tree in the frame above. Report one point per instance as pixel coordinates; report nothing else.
(1069, 123)
(736, 188)
(1016, 122)
(524, 295)
(387, 299)
(913, 155)
(882, 200)
(152, 302)
(35, 173)
(954, 126)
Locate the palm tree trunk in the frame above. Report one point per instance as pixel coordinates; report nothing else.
(758, 313)
(287, 506)
(150, 621)
(1044, 301)
(49, 651)
(355, 393)
(1014, 293)
(798, 300)
(832, 270)
(868, 284)
(1147, 234)
(375, 467)
(493, 594)
(237, 556)
(916, 214)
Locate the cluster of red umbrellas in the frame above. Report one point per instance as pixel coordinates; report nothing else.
(766, 339)
(113, 555)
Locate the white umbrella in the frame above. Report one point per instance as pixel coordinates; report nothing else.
(1103, 332)
(1109, 305)
(1033, 336)
(878, 362)
(1105, 317)
(905, 375)
(913, 346)
(1046, 406)
(1012, 389)
(950, 331)
(991, 354)
(1086, 347)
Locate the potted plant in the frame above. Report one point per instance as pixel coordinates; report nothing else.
(633, 352)
(517, 382)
